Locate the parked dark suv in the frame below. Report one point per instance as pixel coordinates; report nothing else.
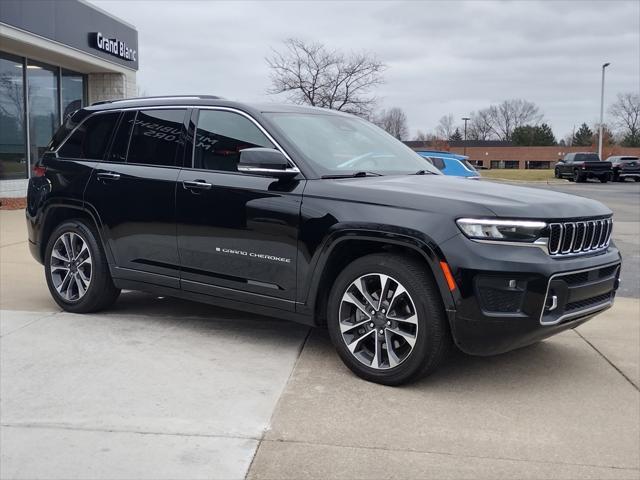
(580, 166)
(315, 216)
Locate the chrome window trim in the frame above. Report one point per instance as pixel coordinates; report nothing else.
(578, 312)
(179, 107)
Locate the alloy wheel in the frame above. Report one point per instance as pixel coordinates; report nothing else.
(71, 266)
(378, 321)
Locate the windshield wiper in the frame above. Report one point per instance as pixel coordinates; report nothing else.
(352, 175)
(425, 172)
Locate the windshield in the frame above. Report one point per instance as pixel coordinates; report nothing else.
(336, 144)
(468, 166)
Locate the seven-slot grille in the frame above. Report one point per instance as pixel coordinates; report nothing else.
(569, 238)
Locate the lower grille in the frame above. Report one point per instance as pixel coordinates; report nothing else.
(588, 302)
(574, 295)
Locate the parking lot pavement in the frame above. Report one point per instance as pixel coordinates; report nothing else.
(557, 409)
(164, 388)
(130, 396)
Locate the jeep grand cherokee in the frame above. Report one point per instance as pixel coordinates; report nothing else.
(315, 216)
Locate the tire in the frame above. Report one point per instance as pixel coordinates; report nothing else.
(422, 321)
(616, 177)
(67, 274)
(577, 177)
(604, 178)
(636, 179)
(556, 173)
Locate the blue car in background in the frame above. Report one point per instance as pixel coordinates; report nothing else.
(450, 163)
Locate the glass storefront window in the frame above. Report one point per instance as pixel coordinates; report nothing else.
(72, 92)
(43, 101)
(13, 152)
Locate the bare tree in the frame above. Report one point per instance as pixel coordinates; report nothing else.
(511, 114)
(312, 74)
(424, 136)
(446, 127)
(394, 122)
(481, 126)
(626, 114)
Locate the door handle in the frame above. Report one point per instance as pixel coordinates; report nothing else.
(108, 176)
(196, 185)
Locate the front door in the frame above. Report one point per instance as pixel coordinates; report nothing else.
(237, 233)
(133, 193)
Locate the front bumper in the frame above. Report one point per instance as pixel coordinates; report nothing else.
(511, 296)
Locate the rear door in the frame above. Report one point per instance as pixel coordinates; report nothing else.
(133, 193)
(237, 232)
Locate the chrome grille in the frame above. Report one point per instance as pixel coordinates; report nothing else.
(577, 237)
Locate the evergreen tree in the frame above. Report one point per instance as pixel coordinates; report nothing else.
(583, 137)
(533, 135)
(456, 136)
(630, 140)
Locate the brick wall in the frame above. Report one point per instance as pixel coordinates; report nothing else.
(534, 154)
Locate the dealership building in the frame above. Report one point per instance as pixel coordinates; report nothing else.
(55, 57)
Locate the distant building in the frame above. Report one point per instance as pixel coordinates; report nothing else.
(499, 154)
(55, 57)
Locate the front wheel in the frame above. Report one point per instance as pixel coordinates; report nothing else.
(386, 319)
(577, 177)
(76, 269)
(556, 173)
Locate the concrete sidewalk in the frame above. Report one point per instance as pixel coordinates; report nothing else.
(164, 388)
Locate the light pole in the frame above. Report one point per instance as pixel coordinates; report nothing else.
(466, 119)
(605, 65)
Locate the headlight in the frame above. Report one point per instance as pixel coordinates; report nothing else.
(502, 230)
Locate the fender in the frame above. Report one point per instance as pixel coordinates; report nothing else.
(51, 204)
(387, 235)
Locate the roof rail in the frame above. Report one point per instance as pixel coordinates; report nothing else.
(159, 97)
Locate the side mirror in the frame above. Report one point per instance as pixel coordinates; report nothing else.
(267, 162)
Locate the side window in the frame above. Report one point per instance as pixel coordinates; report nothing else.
(91, 139)
(156, 137)
(120, 143)
(220, 136)
(438, 163)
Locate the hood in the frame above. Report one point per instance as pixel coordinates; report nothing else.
(462, 197)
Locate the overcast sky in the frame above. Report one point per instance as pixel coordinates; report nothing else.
(442, 57)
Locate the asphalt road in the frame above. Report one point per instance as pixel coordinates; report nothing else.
(624, 200)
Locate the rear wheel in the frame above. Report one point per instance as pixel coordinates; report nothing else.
(604, 178)
(577, 177)
(386, 319)
(76, 269)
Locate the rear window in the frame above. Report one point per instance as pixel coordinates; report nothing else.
(628, 159)
(66, 128)
(91, 139)
(587, 157)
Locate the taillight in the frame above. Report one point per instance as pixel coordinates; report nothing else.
(39, 170)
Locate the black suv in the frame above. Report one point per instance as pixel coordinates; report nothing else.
(314, 216)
